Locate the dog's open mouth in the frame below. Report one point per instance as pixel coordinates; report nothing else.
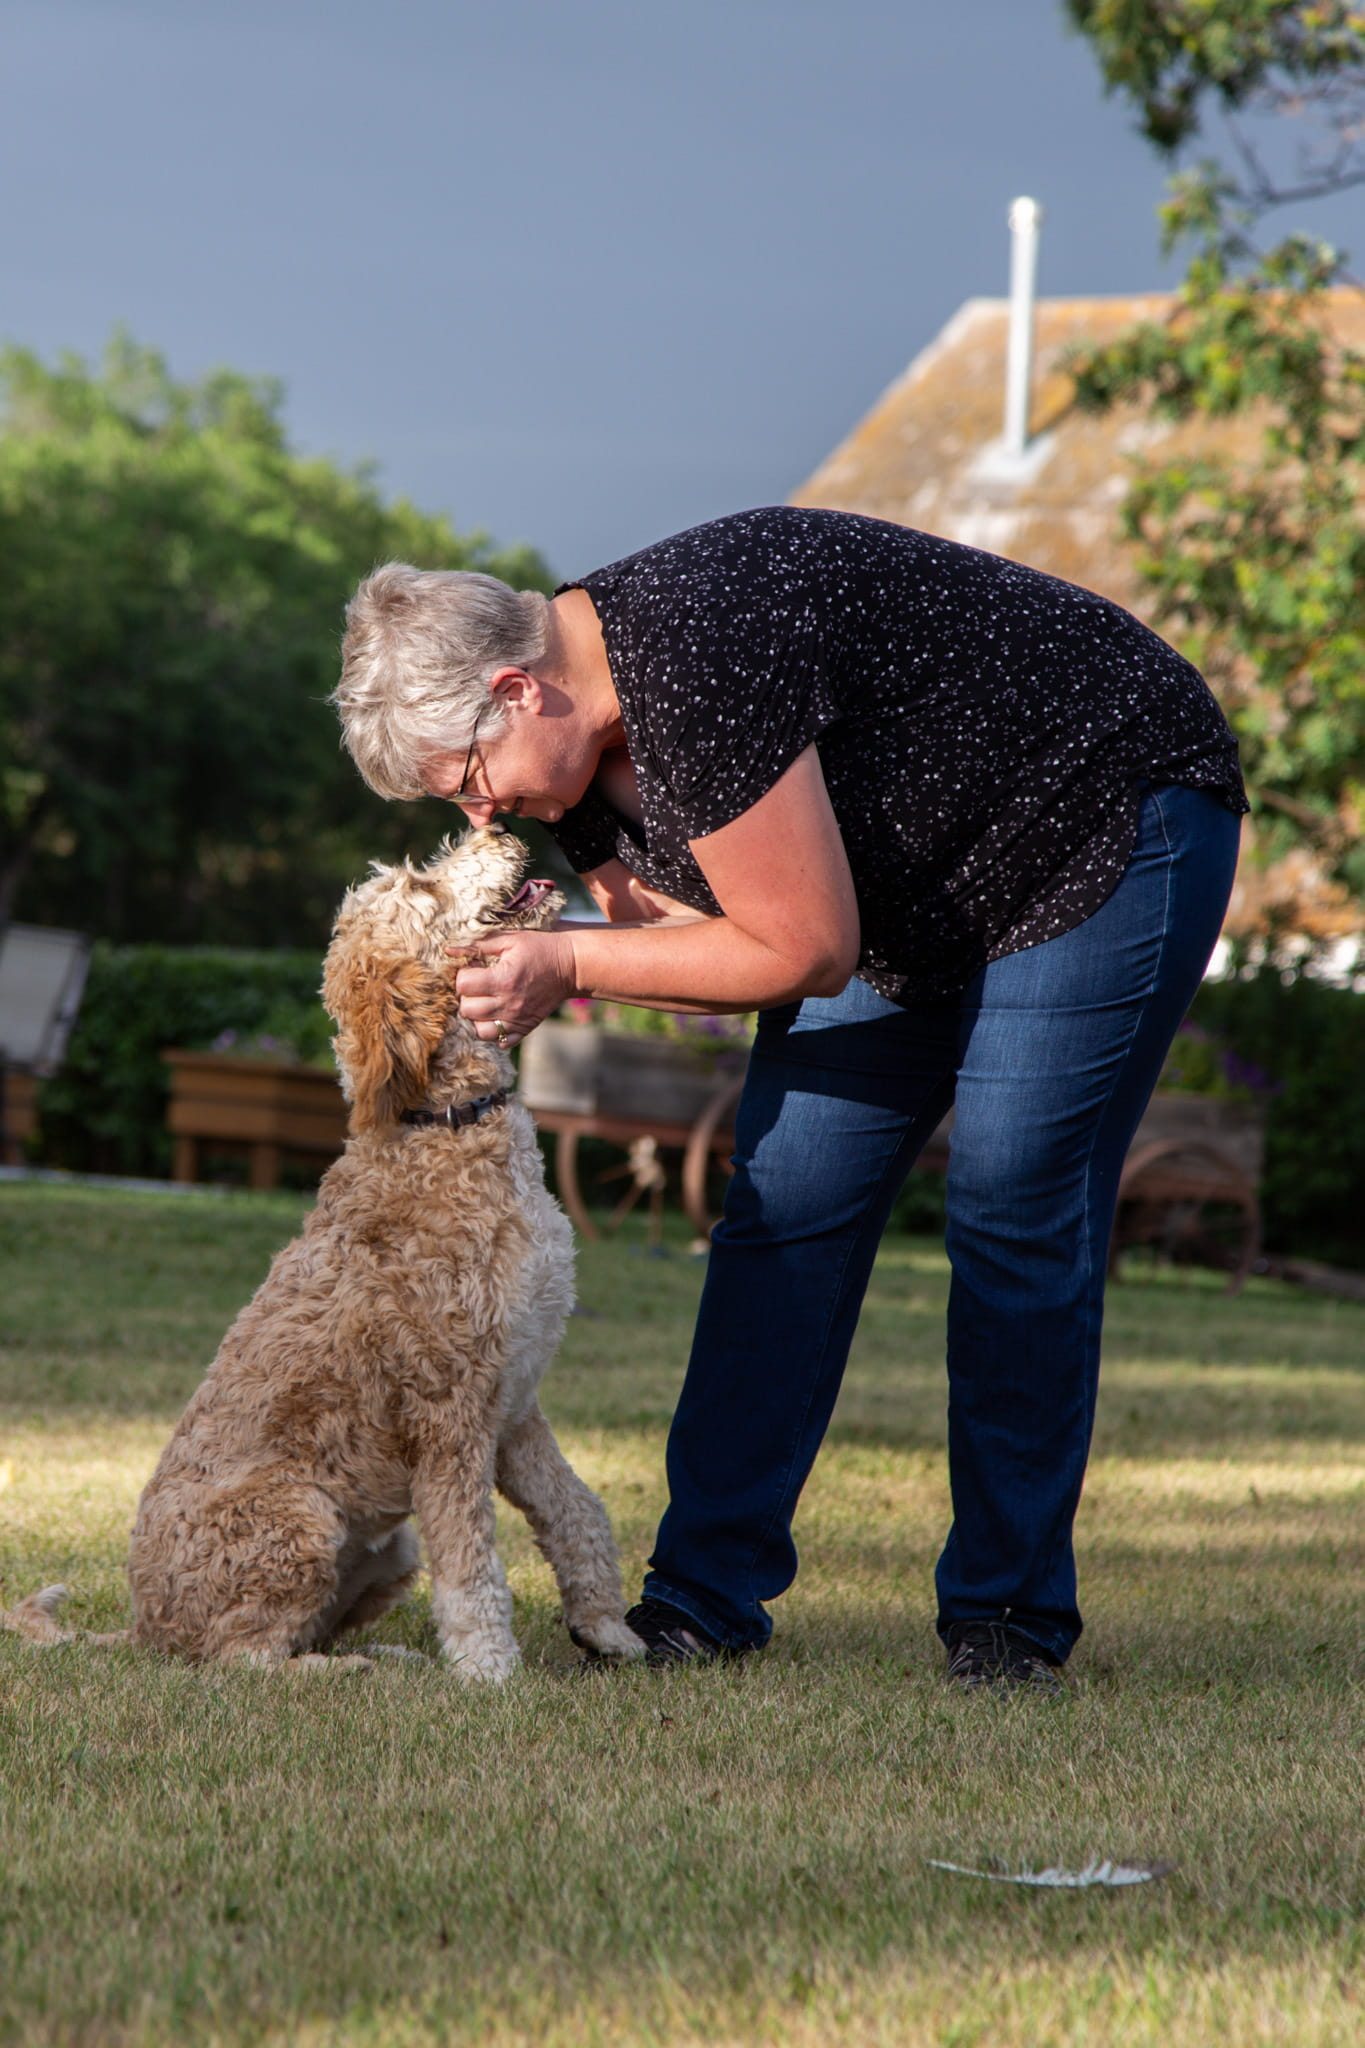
(529, 897)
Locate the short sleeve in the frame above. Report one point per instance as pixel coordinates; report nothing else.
(749, 694)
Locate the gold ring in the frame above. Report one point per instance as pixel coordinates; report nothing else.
(501, 1030)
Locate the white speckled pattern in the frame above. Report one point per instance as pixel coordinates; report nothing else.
(982, 728)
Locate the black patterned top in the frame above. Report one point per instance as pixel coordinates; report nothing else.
(983, 729)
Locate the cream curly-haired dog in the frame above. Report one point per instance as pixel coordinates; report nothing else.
(389, 1363)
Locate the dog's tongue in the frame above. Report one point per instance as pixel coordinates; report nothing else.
(527, 896)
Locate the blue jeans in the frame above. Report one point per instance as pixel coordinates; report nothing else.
(1051, 1054)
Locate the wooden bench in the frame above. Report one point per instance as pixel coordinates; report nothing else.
(272, 1109)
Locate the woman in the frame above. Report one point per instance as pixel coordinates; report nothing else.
(959, 832)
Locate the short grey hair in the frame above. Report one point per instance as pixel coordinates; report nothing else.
(420, 648)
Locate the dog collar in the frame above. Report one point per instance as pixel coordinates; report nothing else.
(458, 1113)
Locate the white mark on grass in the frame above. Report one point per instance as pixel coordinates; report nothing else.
(1057, 1879)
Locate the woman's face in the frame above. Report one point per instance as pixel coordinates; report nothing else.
(538, 766)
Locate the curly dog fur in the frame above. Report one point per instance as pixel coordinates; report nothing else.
(389, 1362)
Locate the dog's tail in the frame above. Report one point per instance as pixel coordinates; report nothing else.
(36, 1620)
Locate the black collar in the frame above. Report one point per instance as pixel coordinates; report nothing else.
(459, 1112)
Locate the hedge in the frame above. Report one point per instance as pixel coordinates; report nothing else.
(105, 1111)
(1310, 1039)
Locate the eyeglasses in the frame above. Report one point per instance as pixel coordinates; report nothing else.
(464, 795)
(462, 791)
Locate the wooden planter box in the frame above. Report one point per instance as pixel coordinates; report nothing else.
(588, 1071)
(271, 1107)
(18, 1114)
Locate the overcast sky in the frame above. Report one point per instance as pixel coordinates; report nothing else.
(580, 272)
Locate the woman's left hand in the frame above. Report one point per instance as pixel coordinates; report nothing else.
(525, 976)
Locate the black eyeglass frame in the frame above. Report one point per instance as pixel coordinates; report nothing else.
(462, 795)
(463, 791)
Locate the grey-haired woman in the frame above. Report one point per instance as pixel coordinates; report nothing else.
(958, 831)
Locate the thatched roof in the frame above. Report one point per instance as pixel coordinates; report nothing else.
(928, 455)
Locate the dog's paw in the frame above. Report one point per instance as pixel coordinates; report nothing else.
(606, 1635)
(482, 1663)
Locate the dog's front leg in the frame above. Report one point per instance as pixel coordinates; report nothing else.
(572, 1533)
(470, 1600)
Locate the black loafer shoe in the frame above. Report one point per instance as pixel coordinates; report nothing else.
(990, 1655)
(671, 1637)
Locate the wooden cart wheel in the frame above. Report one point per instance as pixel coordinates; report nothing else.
(566, 1178)
(1187, 1196)
(641, 1167)
(709, 1140)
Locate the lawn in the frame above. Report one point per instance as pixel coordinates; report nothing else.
(735, 1854)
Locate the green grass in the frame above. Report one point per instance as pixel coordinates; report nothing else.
(730, 1855)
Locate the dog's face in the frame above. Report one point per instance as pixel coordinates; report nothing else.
(389, 981)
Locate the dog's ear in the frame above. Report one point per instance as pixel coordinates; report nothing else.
(392, 1015)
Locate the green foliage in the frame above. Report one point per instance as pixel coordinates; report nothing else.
(921, 1207)
(1169, 55)
(106, 1109)
(290, 1030)
(1310, 1040)
(174, 583)
(1257, 561)
(1201, 1063)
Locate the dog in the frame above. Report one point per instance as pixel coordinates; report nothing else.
(389, 1363)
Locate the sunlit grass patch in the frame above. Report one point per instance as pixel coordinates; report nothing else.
(735, 1854)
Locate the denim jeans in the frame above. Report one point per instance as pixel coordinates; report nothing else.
(1051, 1055)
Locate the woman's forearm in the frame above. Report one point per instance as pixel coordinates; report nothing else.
(694, 1006)
(703, 964)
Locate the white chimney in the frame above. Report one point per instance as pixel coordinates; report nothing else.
(1026, 217)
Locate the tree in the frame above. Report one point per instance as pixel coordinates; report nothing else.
(1257, 561)
(170, 617)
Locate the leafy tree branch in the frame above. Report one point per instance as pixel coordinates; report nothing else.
(1254, 552)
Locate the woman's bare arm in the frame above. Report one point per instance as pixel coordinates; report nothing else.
(790, 923)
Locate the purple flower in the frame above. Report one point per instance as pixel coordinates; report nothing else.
(1241, 1073)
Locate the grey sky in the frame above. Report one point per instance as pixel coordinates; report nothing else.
(577, 271)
